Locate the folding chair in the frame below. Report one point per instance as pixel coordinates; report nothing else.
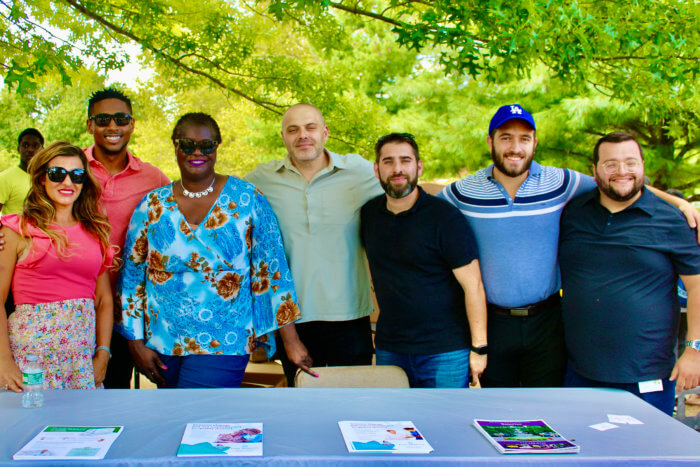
(381, 376)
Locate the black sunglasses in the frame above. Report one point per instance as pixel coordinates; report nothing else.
(121, 119)
(187, 146)
(58, 174)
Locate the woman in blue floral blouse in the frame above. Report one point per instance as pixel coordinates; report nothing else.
(205, 278)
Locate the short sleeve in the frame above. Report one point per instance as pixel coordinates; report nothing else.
(683, 247)
(586, 183)
(457, 239)
(5, 188)
(108, 256)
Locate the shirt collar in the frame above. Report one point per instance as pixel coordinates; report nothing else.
(644, 203)
(133, 163)
(335, 162)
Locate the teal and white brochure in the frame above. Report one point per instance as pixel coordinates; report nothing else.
(222, 439)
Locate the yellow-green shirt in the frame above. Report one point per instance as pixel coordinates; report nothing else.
(14, 186)
(320, 224)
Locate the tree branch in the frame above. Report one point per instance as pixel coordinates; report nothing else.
(223, 70)
(692, 184)
(271, 106)
(366, 13)
(687, 148)
(640, 57)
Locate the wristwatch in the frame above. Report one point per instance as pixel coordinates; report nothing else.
(694, 344)
(481, 350)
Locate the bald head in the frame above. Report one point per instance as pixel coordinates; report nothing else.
(302, 107)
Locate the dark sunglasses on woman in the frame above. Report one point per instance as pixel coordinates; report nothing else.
(121, 119)
(58, 174)
(187, 146)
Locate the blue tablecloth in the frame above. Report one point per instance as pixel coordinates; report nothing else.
(300, 425)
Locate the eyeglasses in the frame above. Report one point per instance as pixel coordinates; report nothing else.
(58, 174)
(187, 146)
(610, 167)
(120, 118)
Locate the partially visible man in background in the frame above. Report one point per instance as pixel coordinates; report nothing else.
(14, 182)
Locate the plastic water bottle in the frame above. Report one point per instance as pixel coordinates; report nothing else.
(32, 383)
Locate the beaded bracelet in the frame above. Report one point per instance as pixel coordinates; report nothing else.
(105, 348)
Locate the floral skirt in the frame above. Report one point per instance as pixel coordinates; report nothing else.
(62, 335)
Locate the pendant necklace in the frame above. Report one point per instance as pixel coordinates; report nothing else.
(198, 194)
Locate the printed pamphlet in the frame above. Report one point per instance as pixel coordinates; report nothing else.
(395, 437)
(524, 437)
(222, 439)
(70, 442)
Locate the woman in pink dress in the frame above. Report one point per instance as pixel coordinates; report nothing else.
(56, 258)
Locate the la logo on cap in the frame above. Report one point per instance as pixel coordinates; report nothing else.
(514, 109)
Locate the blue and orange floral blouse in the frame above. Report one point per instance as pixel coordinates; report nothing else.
(217, 289)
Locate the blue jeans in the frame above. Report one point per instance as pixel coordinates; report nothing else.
(203, 371)
(442, 370)
(662, 400)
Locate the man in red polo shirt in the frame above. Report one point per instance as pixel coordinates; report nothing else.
(125, 180)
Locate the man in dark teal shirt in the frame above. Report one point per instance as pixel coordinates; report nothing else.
(621, 251)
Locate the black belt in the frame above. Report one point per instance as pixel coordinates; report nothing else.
(529, 310)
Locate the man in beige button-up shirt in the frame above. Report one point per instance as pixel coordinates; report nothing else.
(317, 196)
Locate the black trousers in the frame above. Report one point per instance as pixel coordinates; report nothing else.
(9, 303)
(526, 351)
(331, 343)
(121, 366)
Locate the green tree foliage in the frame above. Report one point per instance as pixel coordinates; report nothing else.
(438, 69)
(619, 47)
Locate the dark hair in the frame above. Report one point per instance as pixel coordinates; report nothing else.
(196, 119)
(30, 131)
(109, 93)
(396, 138)
(614, 137)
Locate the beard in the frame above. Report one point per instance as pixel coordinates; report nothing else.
(499, 161)
(402, 191)
(612, 192)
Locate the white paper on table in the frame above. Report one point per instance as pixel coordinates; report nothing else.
(395, 437)
(70, 442)
(222, 439)
(603, 426)
(623, 419)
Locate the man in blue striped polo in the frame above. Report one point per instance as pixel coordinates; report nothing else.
(513, 207)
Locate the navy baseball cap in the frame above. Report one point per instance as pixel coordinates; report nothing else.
(509, 112)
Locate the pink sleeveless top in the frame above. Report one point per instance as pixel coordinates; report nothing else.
(44, 277)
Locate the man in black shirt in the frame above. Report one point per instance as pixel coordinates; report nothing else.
(425, 272)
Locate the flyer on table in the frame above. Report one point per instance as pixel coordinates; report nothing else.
(395, 437)
(222, 439)
(70, 442)
(524, 437)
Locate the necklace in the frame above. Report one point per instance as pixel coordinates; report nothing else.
(198, 194)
